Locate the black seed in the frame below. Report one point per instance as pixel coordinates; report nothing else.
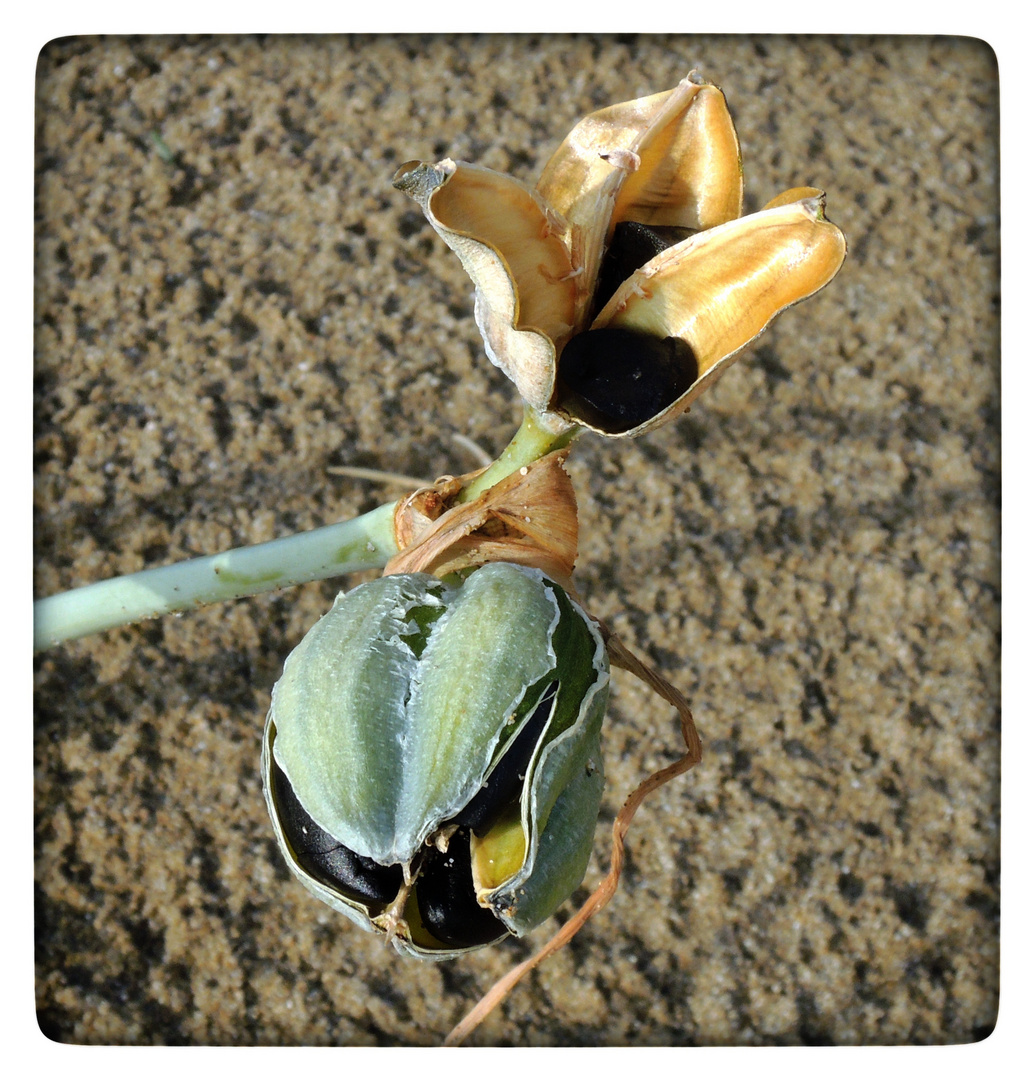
(504, 783)
(632, 245)
(327, 860)
(626, 377)
(445, 897)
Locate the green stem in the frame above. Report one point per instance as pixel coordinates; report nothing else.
(531, 441)
(363, 543)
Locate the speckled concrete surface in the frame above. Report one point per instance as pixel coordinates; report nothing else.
(812, 553)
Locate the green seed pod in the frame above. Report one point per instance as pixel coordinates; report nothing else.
(431, 760)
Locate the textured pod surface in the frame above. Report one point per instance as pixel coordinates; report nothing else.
(811, 553)
(418, 715)
(385, 729)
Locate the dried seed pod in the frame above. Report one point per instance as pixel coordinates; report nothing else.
(632, 233)
(431, 759)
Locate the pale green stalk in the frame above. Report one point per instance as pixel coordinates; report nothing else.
(531, 441)
(363, 543)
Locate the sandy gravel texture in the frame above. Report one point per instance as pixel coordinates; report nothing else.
(812, 553)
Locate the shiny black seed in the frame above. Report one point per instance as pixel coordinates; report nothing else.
(632, 245)
(325, 859)
(504, 783)
(445, 897)
(626, 377)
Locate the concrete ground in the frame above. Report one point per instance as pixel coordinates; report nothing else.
(232, 299)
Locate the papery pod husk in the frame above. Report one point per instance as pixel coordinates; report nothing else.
(667, 159)
(718, 290)
(383, 748)
(508, 241)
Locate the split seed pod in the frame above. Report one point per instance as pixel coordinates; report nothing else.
(620, 287)
(431, 759)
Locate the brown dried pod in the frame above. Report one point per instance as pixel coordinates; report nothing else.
(623, 285)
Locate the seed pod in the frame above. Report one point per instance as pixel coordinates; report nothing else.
(624, 284)
(431, 759)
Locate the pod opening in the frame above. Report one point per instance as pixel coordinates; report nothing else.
(632, 245)
(326, 859)
(446, 899)
(616, 379)
(502, 787)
